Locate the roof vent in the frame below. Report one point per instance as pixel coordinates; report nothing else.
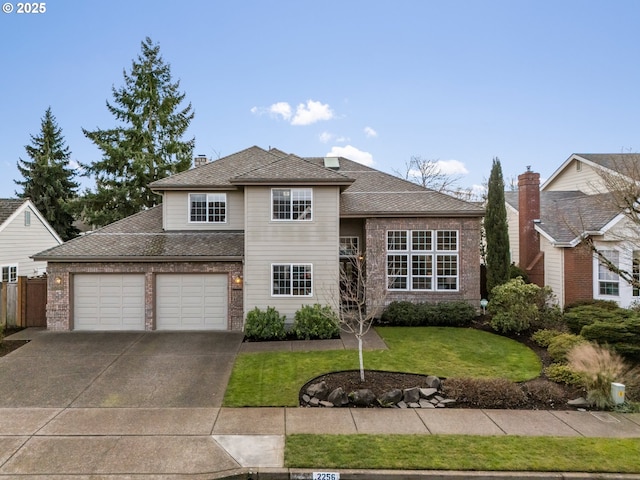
(332, 162)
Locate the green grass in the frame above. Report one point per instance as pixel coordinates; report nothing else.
(275, 378)
(463, 452)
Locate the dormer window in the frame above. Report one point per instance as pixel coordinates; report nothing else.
(208, 207)
(291, 203)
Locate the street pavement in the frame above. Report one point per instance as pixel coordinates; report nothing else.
(148, 406)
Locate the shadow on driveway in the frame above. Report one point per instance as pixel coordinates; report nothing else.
(119, 369)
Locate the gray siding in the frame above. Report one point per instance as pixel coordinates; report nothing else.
(270, 242)
(176, 212)
(18, 242)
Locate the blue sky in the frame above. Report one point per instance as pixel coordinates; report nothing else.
(530, 82)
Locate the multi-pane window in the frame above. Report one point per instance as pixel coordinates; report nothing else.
(348, 246)
(291, 203)
(10, 274)
(636, 274)
(416, 262)
(208, 207)
(608, 281)
(292, 280)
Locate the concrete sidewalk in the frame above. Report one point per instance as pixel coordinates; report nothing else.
(173, 443)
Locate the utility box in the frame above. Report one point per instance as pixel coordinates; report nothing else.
(617, 393)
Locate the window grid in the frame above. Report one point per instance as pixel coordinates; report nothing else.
(10, 274)
(292, 280)
(636, 273)
(208, 208)
(415, 271)
(608, 281)
(348, 246)
(291, 203)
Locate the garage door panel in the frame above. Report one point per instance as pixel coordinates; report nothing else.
(109, 302)
(191, 302)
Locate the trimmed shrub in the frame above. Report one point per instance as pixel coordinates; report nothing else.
(623, 336)
(561, 344)
(562, 373)
(578, 317)
(401, 313)
(544, 336)
(451, 314)
(514, 306)
(515, 272)
(485, 392)
(264, 325)
(545, 391)
(316, 322)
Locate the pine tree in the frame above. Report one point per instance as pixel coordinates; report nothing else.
(48, 179)
(496, 230)
(146, 145)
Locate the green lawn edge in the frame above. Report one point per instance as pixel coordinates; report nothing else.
(463, 452)
(274, 379)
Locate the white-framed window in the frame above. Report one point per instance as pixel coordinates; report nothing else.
(349, 246)
(207, 207)
(291, 203)
(422, 260)
(27, 218)
(9, 274)
(292, 280)
(608, 281)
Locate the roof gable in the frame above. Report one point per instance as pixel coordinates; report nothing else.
(10, 208)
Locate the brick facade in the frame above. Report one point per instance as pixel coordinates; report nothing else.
(578, 274)
(531, 258)
(60, 287)
(468, 259)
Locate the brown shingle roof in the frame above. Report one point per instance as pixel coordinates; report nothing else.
(8, 206)
(140, 237)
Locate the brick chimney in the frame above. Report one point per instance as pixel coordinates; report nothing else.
(200, 160)
(531, 258)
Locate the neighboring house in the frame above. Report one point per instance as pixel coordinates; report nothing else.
(23, 233)
(548, 224)
(263, 228)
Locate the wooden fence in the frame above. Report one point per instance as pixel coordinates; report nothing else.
(24, 303)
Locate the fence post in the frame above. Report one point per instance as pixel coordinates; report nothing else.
(21, 300)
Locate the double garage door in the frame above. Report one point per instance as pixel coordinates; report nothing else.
(117, 301)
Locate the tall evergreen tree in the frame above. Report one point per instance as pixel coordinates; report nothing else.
(496, 230)
(47, 178)
(145, 146)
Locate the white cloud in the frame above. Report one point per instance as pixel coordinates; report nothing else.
(312, 112)
(370, 132)
(325, 137)
(352, 153)
(451, 167)
(281, 108)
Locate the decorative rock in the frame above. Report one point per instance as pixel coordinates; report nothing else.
(434, 401)
(362, 398)
(428, 392)
(439, 398)
(319, 390)
(414, 405)
(390, 398)
(440, 405)
(426, 404)
(314, 402)
(447, 401)
(578, 402)
(402, 405)
(433, 382)
(411, 395)
(306, 398)
(324, 403)
(338, 397)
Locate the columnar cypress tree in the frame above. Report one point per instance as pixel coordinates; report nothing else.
(147, 144)
(48, 179)
(496, 230)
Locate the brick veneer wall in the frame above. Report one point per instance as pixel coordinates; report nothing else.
(468, 259)
(578, 274)
(60, 287)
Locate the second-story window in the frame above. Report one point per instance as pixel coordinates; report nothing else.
(291, 203)
(208, 207)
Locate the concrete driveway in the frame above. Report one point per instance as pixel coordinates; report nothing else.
(119, 369)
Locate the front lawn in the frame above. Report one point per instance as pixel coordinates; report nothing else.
(463, 452)
(275, 378)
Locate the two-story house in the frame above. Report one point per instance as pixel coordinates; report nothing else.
(548, 225)
(263, 228)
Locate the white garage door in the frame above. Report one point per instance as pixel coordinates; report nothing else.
(191, 301)
(108, 301)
